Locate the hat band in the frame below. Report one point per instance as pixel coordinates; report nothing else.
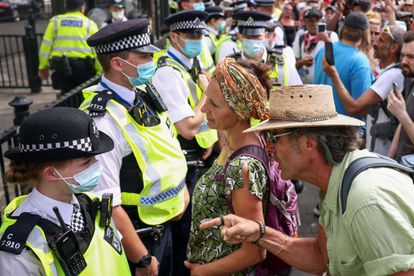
(129, 42)
(251, 24)
(83, 144)
(295, 117)
(188, 25)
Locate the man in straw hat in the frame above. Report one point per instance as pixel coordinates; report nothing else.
(312, 142)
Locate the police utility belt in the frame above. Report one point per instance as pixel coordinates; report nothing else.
(64, 64)
(63, 242)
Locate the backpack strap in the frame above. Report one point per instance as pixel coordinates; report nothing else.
(301, 39)
(359, 165)
(15, 237)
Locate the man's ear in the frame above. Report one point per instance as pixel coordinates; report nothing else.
(308, 144)
(116, 64)
(49, 174)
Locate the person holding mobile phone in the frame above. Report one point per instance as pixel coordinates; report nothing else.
(308, 44)
(56, 159)
(381, 124)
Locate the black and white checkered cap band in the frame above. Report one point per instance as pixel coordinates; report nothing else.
(83, 144)
(130, 42)
(250, 23)
(188, 25)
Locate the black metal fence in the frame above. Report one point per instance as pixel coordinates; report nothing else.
(10, 137)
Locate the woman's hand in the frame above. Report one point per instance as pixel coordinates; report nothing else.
(196, 269)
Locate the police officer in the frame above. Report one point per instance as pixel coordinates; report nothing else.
(181, 84)
(146, 169)
(252, 29)
(116, 9)
(58, 229)
(64, 49)
(215, 26)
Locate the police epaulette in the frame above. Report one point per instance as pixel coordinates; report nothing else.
(15, 237)
(99, 102)
(162, 61)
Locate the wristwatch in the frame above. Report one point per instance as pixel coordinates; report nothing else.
(145, 261)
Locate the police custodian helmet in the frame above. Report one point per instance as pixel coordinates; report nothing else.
(59, 133)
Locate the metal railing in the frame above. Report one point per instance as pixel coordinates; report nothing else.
(10, 137)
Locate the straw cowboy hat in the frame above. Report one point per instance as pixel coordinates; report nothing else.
(303, 106)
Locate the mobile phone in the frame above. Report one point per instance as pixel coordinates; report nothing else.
(321, 27)
(329, 55)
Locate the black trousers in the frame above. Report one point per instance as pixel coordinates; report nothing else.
(65, 78)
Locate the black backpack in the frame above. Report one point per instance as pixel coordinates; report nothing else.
(361, 164)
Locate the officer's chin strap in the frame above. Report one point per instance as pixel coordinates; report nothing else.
(327, 153)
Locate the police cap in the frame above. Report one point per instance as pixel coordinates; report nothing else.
(215, 12)
(131, 35)
(265, 3)
(251, 23)
(187, 21)
(239, 6)
(117, 3)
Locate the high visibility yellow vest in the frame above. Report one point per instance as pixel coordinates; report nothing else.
(278, 72)
(66, 34)
(160, 159)
(205, 136)
(101, 258)
(223, 40)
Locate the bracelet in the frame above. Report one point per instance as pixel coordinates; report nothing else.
(262, 229)
(283, 247)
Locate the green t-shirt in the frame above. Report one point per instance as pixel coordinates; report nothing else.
(375, 236)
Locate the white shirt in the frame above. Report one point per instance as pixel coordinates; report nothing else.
(382, 87)
(308, 72)
(227, 49)
(111, 161)
(36, 203)
(173, 89)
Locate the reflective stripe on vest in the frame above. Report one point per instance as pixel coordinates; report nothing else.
(161, 160)
(101, 258)
(280, 71)
(205, 136)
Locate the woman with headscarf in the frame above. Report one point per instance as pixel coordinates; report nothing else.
(236, 94)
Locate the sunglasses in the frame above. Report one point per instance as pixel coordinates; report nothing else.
(274, 138)
(388, 32)
(375, 33)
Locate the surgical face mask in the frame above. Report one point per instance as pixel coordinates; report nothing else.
(192, 47)
(221, 26)
(145, 73)
(252, 47)
(87, 179)
(118, 16)
(199, 6)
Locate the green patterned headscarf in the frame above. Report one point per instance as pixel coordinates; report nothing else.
(242, 90)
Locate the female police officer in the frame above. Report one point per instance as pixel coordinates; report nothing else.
(57, 229)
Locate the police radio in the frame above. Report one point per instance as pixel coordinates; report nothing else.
(67, 250)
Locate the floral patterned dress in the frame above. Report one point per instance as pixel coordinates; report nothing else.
(211, 199)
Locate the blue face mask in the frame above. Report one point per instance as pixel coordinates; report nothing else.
(145, 73)
(252, 47)
(192, 47)
(86, 179)
(199, 6)
(221, 26)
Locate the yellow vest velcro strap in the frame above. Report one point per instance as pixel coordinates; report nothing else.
(164, 195)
